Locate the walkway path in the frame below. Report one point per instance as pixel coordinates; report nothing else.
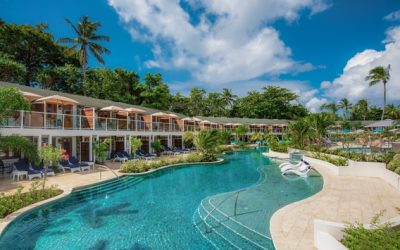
(342, 199)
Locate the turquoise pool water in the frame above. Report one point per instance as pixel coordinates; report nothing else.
(359, 150)
(164, 210)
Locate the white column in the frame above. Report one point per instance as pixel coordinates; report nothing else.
(151, 138)
(50, 140)
(94, 118)
(39, 141)
(125, 146)
(90, 148)
(136, 122)
(45, 115)
(169, 141)
(74, 146)
(183, 144)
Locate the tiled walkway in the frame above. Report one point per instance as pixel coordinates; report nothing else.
(343, 199)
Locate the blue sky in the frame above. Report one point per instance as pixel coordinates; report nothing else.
(243, 45)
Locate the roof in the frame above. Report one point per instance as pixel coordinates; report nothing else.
(100, 103)
(381, 124)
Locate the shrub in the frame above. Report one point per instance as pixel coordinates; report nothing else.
(338, 161)
(379, 236)
(394, 164)
(144, 166)
(282, 147)
(13, 202)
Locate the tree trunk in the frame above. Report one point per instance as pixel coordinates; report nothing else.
(84, 79)
(384, 99)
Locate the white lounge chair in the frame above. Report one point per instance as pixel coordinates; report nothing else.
(301, 171)
(290, 164)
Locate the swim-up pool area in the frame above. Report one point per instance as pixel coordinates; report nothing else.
(225, 206)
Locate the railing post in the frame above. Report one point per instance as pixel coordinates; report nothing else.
(80, 122)
(106, 124)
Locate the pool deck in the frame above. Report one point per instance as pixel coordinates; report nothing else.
(342, 199)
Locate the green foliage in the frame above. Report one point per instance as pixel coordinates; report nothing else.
(299, 132)
(10, 101)
(225, 137)
(241, 131)
(17, 143)
(33, 47)
(156, 93)
(66, 78)
(319, 124)
(256, 136)
(377, 75)
(394, 164)
(338, 161)
(100, 148)
(18, 200)
(11, 71)
(188, 138)
(207, 143)
(135, 144)
(157, 146)
(144, 166)
(378, 236)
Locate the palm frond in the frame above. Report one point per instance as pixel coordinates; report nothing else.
(72, 25)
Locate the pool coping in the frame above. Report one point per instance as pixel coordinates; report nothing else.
(6, 221)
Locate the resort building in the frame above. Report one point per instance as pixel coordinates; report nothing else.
(73, 122)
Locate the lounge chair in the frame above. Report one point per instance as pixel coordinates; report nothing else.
(168, 150)
(84, 165)
(40, 167)
(65, 165)
(290, 164)
(24, 166)
(300, 165)
(128, 156)
(120, 157)
(300, 171)
(182, 150)
(145, 155)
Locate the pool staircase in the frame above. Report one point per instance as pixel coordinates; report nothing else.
(106, 188)
(224, 231)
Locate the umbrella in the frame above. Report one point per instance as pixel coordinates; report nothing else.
(196, 119)
(135, 110)
(173, 116)
(57, 99)
(205, 121)
(187, 119)
(30, 96)
(112, 109)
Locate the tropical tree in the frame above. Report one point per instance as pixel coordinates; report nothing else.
(228, 97)
(10, 70)
(299, 132)
(345, 105)
(319, 124)
(100, 149)
(11, 100)
(87, 40)
(332, 107)
(207, 143)
(49, 155)
(361, 109)
(240, 132)
(256, 136)
(225, 137)
(19, 144)
(377, 75)
(392, 112)
(188, 138)
(157, 146)
(135, 144)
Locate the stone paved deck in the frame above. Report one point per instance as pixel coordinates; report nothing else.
(342, 199)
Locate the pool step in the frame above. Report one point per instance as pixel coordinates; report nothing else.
(215, 238)
(105, 189)
(245, 234)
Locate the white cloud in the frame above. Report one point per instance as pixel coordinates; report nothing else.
(232, 41)
(352, 84)
(325, 84)
(394, 16)
(315, 103)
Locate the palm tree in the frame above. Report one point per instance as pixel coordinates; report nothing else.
(332, 107)
(392, 112)
(86, 41)
(299, 132)
(228, 98)
(345, 105)
(377, 75)
(207, 142)
(319, 124)
(362, 108)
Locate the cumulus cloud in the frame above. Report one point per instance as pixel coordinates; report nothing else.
(216, 41)
(325, 84)
(352, 84)
(394, 16)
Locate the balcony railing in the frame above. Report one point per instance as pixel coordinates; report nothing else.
(41, 120)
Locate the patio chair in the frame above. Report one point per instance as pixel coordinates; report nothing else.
(65, 165)
(128, 156)
(145, 155)
(120, 157)
(168, 150)
(22, 166)
(40, 167)
(84, 165)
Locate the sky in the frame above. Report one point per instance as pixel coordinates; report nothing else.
(321, 49)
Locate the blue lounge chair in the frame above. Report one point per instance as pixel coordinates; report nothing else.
(145, 155)
(168, 150)
(40, 167)
(24, 166)
(84, 165)
(128, 156)
(182, 150)
(65, 165)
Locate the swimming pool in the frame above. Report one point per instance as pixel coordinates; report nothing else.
(165, 210)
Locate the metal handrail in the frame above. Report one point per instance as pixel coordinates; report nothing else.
(107, 168)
